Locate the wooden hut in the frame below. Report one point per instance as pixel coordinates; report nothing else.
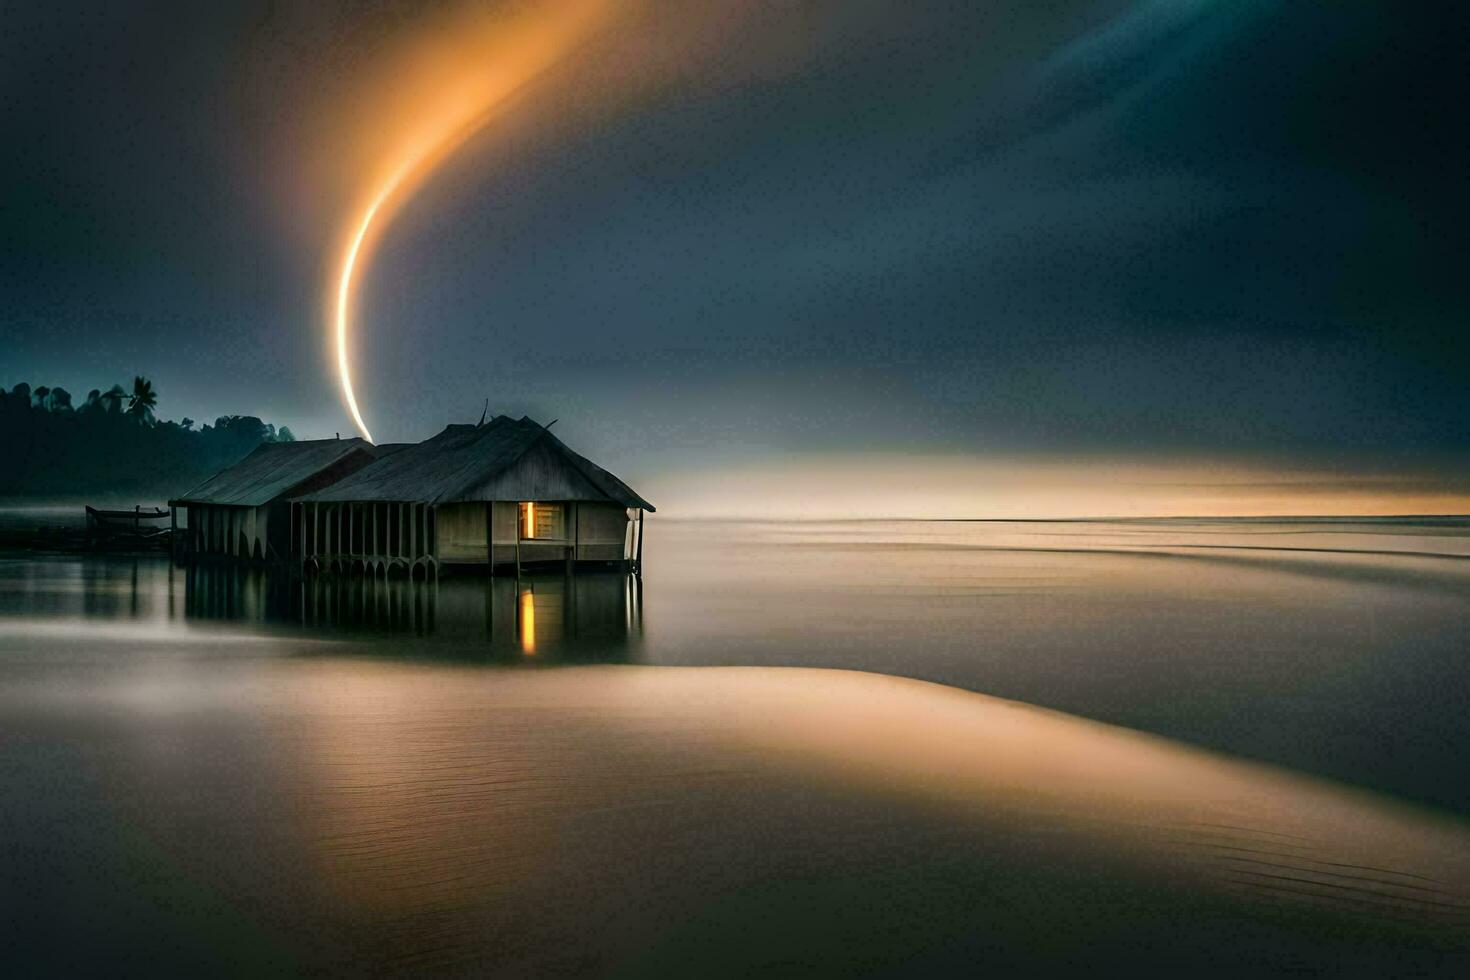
(500, 493)
(242, 512)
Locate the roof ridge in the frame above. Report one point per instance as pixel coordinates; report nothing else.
(463, 462)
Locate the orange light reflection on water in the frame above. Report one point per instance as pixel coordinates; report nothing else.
(528, 623)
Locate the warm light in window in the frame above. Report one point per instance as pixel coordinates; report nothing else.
(543, 521)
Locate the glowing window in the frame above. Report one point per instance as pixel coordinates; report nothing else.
(540, 520)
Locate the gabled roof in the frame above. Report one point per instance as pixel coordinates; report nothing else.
(272, 470)
(459, 463)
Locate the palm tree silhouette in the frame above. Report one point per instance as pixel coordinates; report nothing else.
(140, 405)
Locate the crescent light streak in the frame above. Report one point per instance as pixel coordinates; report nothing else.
(344, 296)
(438, 99)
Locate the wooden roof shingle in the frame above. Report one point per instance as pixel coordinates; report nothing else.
(463, 461)
(272, 470)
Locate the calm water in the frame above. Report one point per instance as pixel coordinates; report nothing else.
(213, 768)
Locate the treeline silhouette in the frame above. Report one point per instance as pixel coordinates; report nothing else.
(112, 446)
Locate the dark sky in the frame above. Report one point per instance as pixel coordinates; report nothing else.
(1143, 227)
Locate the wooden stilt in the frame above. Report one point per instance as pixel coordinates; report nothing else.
(489, 611)
(638, 557)
(638, 595)
(569, 606)
(571, 546)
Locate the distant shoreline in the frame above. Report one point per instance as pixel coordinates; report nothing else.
(40, 505)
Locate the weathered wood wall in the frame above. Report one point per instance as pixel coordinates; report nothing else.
(462, 533)
(540, 474)
(597, 530)
(601, 530)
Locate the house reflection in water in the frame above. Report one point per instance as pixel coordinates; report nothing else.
(553, 616)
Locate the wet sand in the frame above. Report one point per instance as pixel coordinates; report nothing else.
(216, 770)
(305, 809)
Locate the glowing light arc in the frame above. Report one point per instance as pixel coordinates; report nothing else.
(475, 70)
(344, 296)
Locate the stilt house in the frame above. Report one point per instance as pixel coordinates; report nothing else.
(242, 511)
(500, 493)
